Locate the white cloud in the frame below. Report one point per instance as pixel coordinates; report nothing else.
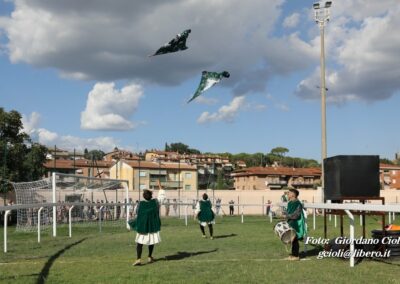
(30, 123)
(206, 101)
(225, 113)
(108, 108)
(291, 21)
(278, 104)
(362, 53)
(111, 40)
(31, 126)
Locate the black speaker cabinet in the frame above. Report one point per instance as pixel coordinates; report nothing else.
(351, 176)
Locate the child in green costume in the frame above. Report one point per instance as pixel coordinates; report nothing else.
(147, 225)
(205, 215)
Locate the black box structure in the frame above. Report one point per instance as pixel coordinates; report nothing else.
(351, 176)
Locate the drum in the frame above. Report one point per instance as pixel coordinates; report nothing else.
(284, 232)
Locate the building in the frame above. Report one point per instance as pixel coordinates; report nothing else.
(59, 154)
(146, 174)
(271, 178)
(389, 176)
(117, 155)
(82, 167)
(208, 165)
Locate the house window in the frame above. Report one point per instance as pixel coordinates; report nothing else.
(142, 186)
(254, 187)
(243, 188)
(142, 173)
(188, 175)
(188, 187)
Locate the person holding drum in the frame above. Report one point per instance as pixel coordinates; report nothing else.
(295, 219)
(205, 215)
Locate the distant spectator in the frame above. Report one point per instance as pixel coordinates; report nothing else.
(231, 207)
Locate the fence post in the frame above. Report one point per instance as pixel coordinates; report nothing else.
(390, 218)
(314, 219)
(242, 213)
(351, 237)
(38, 225)
(70, 220)
(100, 216)
(335, 222)
(186, 215)
(5, 228)
(53, 183)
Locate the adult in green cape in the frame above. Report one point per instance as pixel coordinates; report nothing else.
(178, 43)
(295, 219)
(209, 79)
(205, 215)
(147, 225)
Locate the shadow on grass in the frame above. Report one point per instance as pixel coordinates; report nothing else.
(312, 252)
(184, 254)
(46, 268)
(225, 236)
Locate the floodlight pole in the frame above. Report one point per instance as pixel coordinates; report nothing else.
(322, 17)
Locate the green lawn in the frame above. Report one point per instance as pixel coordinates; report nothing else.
(240, 253)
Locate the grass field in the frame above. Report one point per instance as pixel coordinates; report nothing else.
(240, 253)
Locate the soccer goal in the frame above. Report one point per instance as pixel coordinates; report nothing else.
(79, 199)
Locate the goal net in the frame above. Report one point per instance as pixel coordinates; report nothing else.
(93, 199)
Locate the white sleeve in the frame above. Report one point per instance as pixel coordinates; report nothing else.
(197, 210)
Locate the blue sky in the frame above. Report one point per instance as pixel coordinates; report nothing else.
(50, 66)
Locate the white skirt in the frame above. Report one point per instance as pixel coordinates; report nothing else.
(148, 239)
(203, 224)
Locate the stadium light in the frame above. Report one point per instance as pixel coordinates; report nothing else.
(321, 12)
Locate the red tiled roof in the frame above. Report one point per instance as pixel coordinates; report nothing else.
(388, 166)
(69, 164)
(155, 165)
(278, 171)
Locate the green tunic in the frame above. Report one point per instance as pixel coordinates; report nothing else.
(206, 214)
(295, 209)
(148, 218)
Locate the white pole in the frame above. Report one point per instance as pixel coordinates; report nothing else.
(186, 215)
(390, 218)
(242, 213)
(38, 224)
(5, 229)
(361, 217)
(314, 218)
(351, 237)
(126, 207)
(394, 216)
(323, 109)
(70, 220)
(54, 207)
(270, 215)
(335, 222)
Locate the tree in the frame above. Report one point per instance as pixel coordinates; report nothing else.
(96, 155)
(386, 161)
(279, 151)
(182, 148)
(21, 160)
